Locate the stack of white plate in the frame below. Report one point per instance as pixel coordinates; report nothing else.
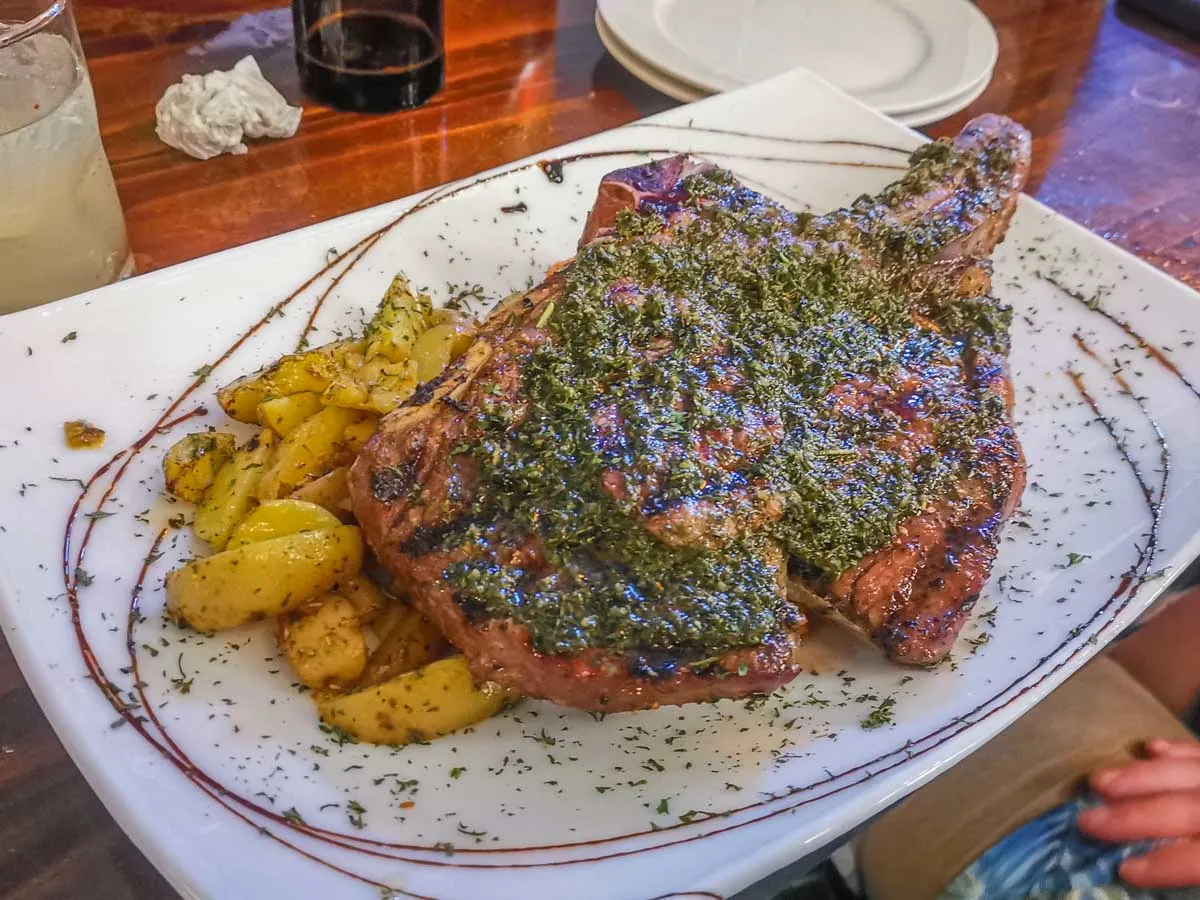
(917, 61)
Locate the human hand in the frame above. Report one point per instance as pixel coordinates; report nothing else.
(1154, 798)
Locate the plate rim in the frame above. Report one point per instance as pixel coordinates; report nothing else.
(928, 115)
(684, 92)
(645, 71)
(632, 22)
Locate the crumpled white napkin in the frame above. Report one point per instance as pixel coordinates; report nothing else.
(207, 115)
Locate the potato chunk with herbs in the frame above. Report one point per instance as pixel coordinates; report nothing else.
(191, 465)
(268, 578)
(81, 435)
(327, 647)
(416, 706)
(233, 493)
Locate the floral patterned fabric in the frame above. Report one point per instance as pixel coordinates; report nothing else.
(1050, 859)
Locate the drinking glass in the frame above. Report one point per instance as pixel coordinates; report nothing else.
(370, 55)
(61, 226)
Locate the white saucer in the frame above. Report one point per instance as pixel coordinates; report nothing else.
(898, 56)
(687, 93)
(939, 111)
(643, 71)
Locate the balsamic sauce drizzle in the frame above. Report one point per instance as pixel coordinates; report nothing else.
(767, 808)
(1134, 578)
(800, 142)
(551, 168)
(1145, 558)
(201, 779)
(1127, 390)
(1146, 346)
(311, 322)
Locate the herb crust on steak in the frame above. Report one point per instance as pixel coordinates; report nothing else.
(624, 494)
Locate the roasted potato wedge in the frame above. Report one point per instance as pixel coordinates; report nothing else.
(379, 390)
(347, 392)
(81, 435)
(368, 601)
(190, 467)
(326, 648)
(233, 492)
(384, 401)
(264, 579)
(439, 346)
(375, 369)
(401, 317)
(283, 415)
(275, 518)
(310, 371)
(409, 642)
(356, 434)
(331, 490)
(313, 448)
(392, 390)
(392, 613)
(416, 706)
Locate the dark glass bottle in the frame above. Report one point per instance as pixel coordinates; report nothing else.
(369, 55)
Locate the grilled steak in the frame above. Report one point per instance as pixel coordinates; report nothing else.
(719, 412)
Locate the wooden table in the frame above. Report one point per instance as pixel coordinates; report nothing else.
(1114, 107)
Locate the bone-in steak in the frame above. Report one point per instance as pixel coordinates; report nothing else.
(720, 411)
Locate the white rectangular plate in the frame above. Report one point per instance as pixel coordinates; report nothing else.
(230, 787)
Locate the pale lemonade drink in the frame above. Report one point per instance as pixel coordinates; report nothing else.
(61, 227)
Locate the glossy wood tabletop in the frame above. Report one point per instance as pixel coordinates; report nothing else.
(1113, 103)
